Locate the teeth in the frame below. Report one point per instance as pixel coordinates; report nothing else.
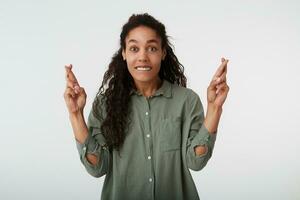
(143, 68)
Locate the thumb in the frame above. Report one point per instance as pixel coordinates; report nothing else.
(81, 90)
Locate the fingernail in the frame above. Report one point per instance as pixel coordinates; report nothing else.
(68, 66)
(218, 79)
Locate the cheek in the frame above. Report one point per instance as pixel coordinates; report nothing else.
(130, 62)
(156, 58)
(156, 63)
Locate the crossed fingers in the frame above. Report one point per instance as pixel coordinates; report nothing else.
(221, 71)
(219, 78)
(71, 79)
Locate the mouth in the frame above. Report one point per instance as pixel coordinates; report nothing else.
(143, 68)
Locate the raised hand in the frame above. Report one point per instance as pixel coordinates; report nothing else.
(74, 95)
(218, 89)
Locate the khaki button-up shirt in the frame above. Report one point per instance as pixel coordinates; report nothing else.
(158, 151)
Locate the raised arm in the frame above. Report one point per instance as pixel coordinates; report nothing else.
(90, 146)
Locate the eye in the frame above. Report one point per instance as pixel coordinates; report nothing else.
(153, 49)
(134, 49)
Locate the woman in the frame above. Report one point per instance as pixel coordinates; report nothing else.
(146, 129)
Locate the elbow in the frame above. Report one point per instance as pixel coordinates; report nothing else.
(197, 165)
(197, 159)
(201, 150)
(96, 171)
(92, 159)
(96, 174)
(94, 166)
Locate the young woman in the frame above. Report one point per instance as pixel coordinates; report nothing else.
(146, 129)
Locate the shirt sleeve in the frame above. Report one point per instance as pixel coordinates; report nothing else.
(94, 144)
(198, 134)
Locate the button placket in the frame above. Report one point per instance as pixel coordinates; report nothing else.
(148, 139)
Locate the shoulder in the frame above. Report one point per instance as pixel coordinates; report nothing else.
(187, 94)
(188, 99)
(98, 110)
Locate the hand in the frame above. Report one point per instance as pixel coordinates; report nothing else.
(74, 95)
(218, 89)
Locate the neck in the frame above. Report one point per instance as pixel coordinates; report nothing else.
(147, 89)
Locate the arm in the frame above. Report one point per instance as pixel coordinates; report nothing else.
(91, 144)
(216, 96)
(211, 122)
(81, 133)
(199, 136)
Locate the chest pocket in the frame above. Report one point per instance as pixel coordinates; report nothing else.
(170, 134)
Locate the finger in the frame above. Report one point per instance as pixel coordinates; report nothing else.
(72, 85)
(220, 85)
(81, 91)
(68, 68)
(221, 69)
(77, 89)
(69, 73)
(69, 84)
(217, 81)
(222, 78)
(69, 93)
(222, 88)
(223, 92)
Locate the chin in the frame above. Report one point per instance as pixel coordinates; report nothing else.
(144, 78)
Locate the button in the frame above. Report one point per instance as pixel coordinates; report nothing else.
(84, 148)
(148, 135)
(147, 113)
(149, 157)
(150, 179)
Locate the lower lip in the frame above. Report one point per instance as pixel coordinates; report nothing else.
(143, 70)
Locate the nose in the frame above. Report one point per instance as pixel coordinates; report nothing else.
(143, 57)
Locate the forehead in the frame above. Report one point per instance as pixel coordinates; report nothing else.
(142, 34)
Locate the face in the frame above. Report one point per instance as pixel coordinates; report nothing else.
(143, 54)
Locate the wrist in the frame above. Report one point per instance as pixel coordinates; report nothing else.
(76, 116)
(212, 118)
(214, 109)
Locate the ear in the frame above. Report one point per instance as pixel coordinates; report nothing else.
(164, 54)
(123, 54)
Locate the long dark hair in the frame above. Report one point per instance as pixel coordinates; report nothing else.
(119, 82)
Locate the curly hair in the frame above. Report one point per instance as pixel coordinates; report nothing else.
(119, 82)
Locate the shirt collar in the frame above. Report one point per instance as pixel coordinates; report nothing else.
(165, 90)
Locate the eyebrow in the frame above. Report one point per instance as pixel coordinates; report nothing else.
(148, 41)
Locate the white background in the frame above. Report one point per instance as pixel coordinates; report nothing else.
(256, 154)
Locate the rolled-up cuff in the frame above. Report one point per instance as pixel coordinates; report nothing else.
(90, 145)
(204, 137)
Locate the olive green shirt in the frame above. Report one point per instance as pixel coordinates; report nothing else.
(158, 151)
